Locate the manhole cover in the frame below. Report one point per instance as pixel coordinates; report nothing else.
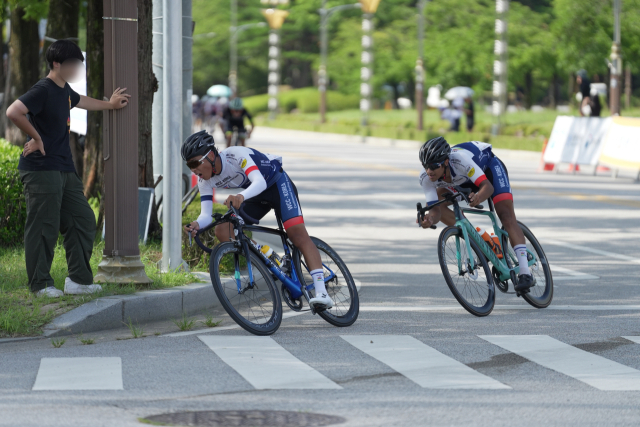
(246, 419)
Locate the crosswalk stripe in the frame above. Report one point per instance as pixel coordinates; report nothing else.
(420, 363)
(634, 339)
(79, 373)
(594, 370)
(265, 364)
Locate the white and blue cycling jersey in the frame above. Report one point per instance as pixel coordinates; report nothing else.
(470, 163)
(265, 186)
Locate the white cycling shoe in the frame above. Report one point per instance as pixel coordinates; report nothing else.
(73, 288)
(322, 299)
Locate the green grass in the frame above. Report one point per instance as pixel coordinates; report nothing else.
(58, 343)
(522, 130)
(184, 324)
(210, 323)
(22, 314)
(136, 330)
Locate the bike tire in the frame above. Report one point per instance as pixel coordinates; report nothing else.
(226, 290)
(483, 295)
(538, 296)
(345, 308)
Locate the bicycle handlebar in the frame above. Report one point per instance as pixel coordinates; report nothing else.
(232, 215)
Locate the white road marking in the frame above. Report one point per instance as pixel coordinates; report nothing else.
(593, 251)
(79, 373)
(570, 274)
(265, 364)
(387, 204)
(634, 339)
(591, 369)
(420, 363)
(504, 307)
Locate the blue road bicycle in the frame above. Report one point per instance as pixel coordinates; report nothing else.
(464, 259)
(244, 278)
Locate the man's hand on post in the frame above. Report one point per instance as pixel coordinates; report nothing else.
(236, 200)
(119, 99)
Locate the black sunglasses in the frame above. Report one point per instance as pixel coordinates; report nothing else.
(433, 166)
(192, 164)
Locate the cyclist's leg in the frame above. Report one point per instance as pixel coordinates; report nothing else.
(228, 134)
(446, 215)
(242, 135)
(290, 213)
(503, 203)
(256, 208)
(503, 200)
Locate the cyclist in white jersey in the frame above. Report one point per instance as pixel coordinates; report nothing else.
(472, 165)
(265, 186)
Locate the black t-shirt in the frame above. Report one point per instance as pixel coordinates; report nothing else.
(49, 106)
(585, 88)
(236, 121)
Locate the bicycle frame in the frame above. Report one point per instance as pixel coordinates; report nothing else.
(293, 283)
(468, 230)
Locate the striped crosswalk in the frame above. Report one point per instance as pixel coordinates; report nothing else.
(267, 365)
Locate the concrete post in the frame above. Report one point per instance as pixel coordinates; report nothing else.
(615, 85)
(187, 85)
(420, 65)
(275, 18)
(172, 135)
(121, 257)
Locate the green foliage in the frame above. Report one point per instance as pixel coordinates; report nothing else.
(33, 9)
(13, 207)
(548, 41)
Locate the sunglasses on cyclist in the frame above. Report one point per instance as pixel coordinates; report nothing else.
(433, 166)
(192, 164)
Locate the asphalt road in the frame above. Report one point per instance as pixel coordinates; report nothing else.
(414, 357)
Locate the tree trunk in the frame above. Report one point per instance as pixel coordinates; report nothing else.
(528, 89)
(62, 23)
(93, 159)
(24, 50)
(147, 85)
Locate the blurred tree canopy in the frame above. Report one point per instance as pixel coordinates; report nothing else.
(549, 40)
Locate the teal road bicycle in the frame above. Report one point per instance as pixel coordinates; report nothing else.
(464, 258)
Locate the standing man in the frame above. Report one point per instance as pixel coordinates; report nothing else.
(590, 105)
(53, 190)
(469, 112)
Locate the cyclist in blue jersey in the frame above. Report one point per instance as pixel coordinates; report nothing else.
(472, 165)
(265, 186)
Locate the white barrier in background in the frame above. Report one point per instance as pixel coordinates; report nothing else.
(594, 141)
(577, 140)
(622, 145)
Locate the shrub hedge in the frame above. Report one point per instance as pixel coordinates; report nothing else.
(13, 208)
(306, 100)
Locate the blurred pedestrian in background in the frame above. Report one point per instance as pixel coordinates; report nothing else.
(589, 105)
(469, 112)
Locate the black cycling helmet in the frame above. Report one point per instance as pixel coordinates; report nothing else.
(435, 150)
(197, 144)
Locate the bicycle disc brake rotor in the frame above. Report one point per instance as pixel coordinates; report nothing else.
(502, 286)
(473, 274)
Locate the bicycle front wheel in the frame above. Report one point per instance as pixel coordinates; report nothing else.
(340, 285)
(256, 307)
(541, 294)
(472, 287)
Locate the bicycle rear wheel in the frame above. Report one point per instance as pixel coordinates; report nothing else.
(473, 289)
(257, 308)
(541, 294)
(340, 285)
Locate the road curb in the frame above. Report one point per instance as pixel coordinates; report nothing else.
(146, 306)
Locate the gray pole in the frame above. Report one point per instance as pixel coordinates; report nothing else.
(500, 65)
(233, 49)
(157, 118)
(419, 65)
(233, 53)
(274, 72)
(187, 85)
(323, 78)
(172, 135)
(616, 62)
(366, 71)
